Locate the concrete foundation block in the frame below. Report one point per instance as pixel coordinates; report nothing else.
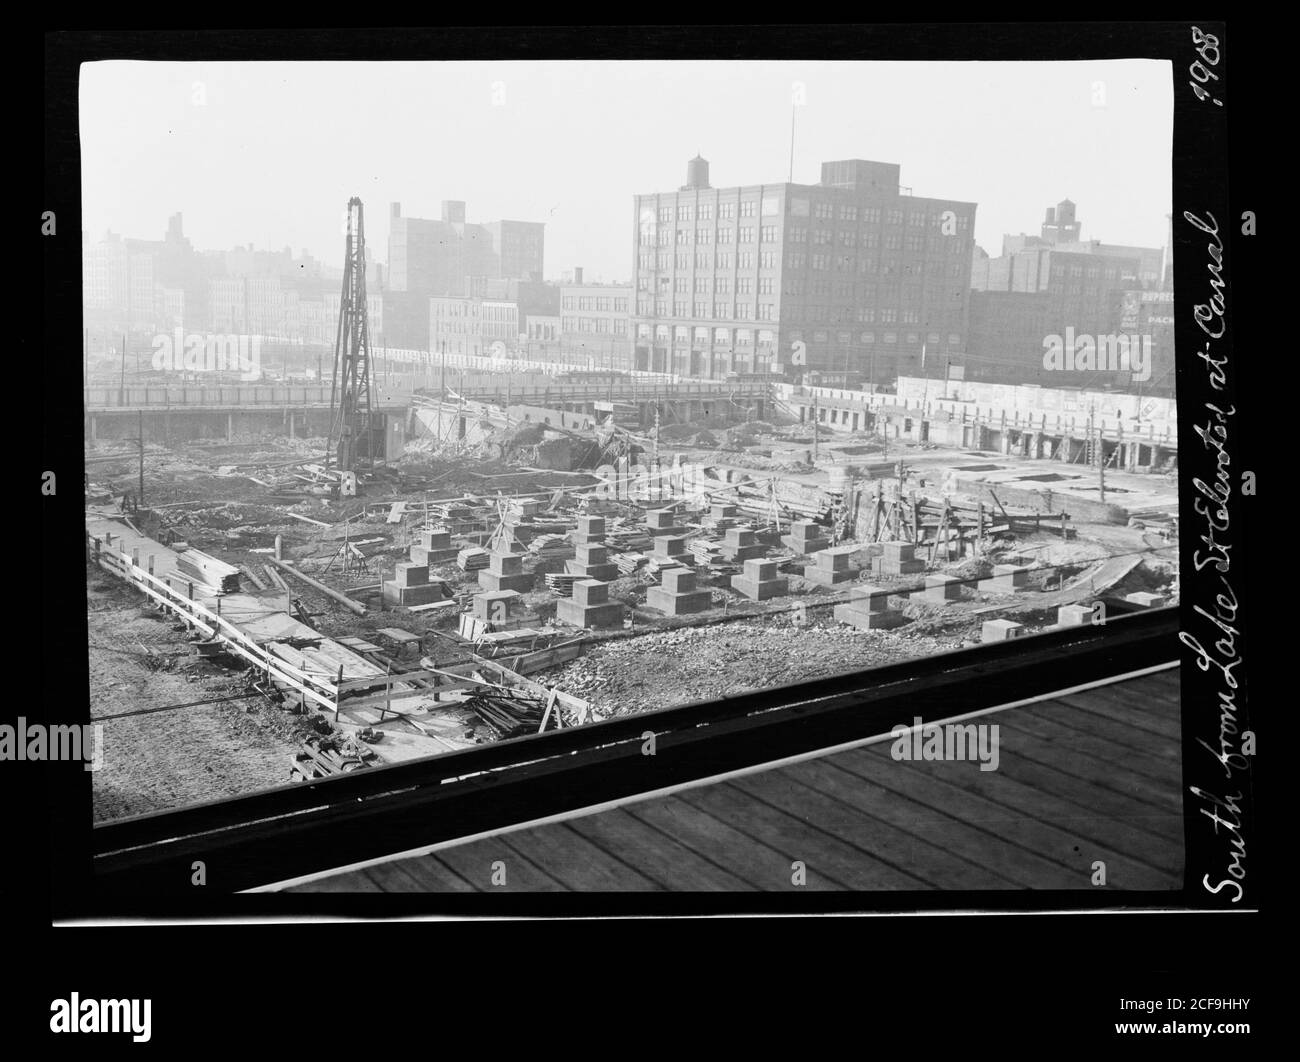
(591, 553)
(869, 598)
(1073, 615)
(822, 577)
(757, 590)
(602, 572)
(1000, 630)
(395, 593)
(588, 592)
(410, 574)
(1006, 579)
(722, 512)
(609, 614)
(670, 546)
(496, 605)
(804, 546)
(1146, 600)
(492, 581)
(590, 529)
(940, 589)
(660, 519)
(671, 604)
(865, 619)
(433, 540)
(505, 563)
(898, 551)
(833, 560)
(743, 553)
(678, 580)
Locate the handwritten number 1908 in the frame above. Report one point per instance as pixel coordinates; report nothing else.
(1207, 47)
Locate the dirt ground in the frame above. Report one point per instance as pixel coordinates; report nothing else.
(163, 760)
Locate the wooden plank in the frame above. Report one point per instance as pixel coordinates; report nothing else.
(1126, 838)
(473, 862)
(1146, 723)
(1072, 855)
(575, 862)
(1162, 821)
(657, 855)
(792, 788)
(1161, 748)
(822, 853)
(1115, 757)
(393, 876)
(356, 881)
(740, 854)
(308, 520)
(433, 875)
(836, 777)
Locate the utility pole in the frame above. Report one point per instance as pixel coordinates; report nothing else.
(815, 429)
(141, 423)
(1101, 465)
(121, 382)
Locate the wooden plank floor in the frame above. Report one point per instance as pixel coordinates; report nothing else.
(1082, 778)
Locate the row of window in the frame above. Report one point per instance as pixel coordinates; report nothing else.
(615, 326)
(914, 241)
(911, 339)
(800, 207)
(701, 335)
(597, 303)
(747, 208)
(846, 263)
(707, 285)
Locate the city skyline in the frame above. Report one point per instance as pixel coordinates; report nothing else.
(194, 145)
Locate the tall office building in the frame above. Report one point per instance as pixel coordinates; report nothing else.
(428, 258)
(852, 275)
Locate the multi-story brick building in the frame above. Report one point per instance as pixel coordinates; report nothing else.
(595, 322)
(428, 258)
(852, 274)
(1041, 286)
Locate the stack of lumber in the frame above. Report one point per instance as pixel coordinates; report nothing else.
(561, 583)
(706, 552)
(208, 570)
(628, 541)
(472, 559)
(551, 547)
(629, 562)
(507, 715)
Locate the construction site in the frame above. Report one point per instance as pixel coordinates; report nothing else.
(290, 582)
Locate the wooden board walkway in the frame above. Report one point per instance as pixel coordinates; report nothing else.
(1082, 778)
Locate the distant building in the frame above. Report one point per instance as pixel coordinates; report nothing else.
(1041, 286)
(595, 324)
(428, 258)
(854, 274)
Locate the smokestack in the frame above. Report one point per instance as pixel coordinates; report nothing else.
(396, 210)
(577, 274)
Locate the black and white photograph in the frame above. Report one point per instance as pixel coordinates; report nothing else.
(577, 481)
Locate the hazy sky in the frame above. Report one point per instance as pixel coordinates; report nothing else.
(269, 153)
